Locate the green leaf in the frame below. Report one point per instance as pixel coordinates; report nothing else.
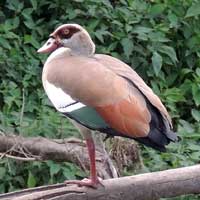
(142, 32)
(15, 5)
(169, 51)
(196, 115)
(34, 4)
(11, 24)
(4, 43)
(2, 172)
(158, 37)
(194, 147)
(156, 9)
(196, 94)
(173, 20)
(142, 29)
(99, 36)
(31, 182)
(11, 35)
(198, 71)
(186, 127)
(127, 45)
(54, 168)
(157, 62)
(195, 156)
(71, 14)
(68, 173)
(27, 13)
(193, 11)
(29, 39)
(174, 95)
(107, 3)
(100, 33)
(93, 24)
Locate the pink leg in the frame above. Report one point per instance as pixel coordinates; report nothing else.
(94, 180)
(91, 151)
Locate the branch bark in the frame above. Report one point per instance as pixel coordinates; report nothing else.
(149, 186)
(109, 165)
(68, 150)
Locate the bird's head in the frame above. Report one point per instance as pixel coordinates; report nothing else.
(71, 36)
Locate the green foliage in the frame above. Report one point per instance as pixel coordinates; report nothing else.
(18, 174)
(159, 39)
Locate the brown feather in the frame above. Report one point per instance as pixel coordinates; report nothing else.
(124, 70)
(127, 118)
(100, 82)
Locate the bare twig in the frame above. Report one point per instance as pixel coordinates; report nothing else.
(2, 155)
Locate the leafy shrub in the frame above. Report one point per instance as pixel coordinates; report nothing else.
(159, 39)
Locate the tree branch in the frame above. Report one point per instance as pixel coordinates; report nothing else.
(38, 148)
(149, 186)
(73, 150)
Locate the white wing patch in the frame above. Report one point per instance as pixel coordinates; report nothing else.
(72, 107)
(61, 101)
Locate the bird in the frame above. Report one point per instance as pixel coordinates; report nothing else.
(101, 92)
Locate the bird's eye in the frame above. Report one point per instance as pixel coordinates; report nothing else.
(66, 31)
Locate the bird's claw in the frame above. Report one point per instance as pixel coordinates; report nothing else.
(85, 182)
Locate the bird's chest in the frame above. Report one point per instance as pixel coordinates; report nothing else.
(66, 86)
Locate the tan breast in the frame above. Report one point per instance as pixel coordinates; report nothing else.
(85, 80)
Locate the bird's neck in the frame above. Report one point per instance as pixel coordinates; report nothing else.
(58, 53)
(83, 45)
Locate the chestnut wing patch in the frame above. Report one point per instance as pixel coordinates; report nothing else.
(126, 118)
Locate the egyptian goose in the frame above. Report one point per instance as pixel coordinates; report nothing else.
(102, 93)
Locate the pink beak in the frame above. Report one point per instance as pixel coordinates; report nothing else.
(50, 45)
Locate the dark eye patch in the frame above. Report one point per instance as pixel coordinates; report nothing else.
(67, 32)
(52, 36)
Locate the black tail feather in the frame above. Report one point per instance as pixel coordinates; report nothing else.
(160, 133)
(158, 140)
(172, 136)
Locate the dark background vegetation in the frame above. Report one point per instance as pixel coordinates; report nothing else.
(160, 39)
